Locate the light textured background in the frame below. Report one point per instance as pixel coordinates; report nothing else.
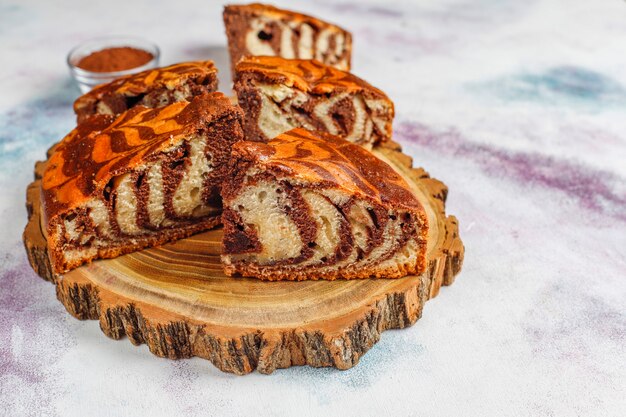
(519, 106)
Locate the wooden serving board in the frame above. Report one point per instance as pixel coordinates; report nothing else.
(176, 299)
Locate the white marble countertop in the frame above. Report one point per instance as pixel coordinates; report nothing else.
(520, 107)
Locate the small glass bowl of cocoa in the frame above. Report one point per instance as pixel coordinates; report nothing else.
(102, 60)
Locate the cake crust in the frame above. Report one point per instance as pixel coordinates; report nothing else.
(379, 228)
(309, 75)
(279, 94)
(323, 160)
(121, 182)
(150, 88)
(260, 29)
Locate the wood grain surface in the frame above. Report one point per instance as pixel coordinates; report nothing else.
(176, 299)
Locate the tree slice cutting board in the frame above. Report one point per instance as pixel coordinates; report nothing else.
(176, 299)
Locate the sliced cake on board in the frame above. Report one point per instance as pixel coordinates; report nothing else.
(151, 176)
(280, 94)
(313, 206)
(151, 88)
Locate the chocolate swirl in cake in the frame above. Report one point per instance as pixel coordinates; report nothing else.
(279, 94)
(313, 206)
(150, 176)
(259, 29)
(152, 88)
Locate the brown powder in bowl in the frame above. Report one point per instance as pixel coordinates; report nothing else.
(115, 59)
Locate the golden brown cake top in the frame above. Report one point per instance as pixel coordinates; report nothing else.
(93, 153)
(307, 75)
(95, 123)
(135, 84)
(259, 9)
(324, 160)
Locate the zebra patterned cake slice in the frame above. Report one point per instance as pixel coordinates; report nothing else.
(280, 94)
(314, 206)
(148, 177)
(260, 29)
(151, 88)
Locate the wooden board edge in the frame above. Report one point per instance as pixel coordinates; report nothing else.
(33, 238)
(242, 351)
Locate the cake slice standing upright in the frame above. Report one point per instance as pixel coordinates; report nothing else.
(151, 88)
(280, 94)
(151, 176)
(313, 206)
(259, 29)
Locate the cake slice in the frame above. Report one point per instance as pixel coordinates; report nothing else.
(151, 176)
(151, 88)
(259, 29)
(313, 206)
(280, 94)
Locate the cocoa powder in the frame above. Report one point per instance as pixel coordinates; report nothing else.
(115, 59)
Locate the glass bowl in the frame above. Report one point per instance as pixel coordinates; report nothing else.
(87, 80)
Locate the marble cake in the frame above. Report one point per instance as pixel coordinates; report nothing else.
(313, 206)
(150, 176)
(280, 94)
(151, 88)
(259, 29)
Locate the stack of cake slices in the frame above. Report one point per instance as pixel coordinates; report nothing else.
(160, 155)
